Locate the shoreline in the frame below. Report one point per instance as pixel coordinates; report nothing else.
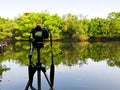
(73, 40)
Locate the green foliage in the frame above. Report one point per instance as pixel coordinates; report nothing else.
(74, 28)
(97, 28)
(54, 24)
(69, 27)
(6, 27)
(114, 15)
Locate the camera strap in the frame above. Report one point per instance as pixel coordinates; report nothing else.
(52, 67)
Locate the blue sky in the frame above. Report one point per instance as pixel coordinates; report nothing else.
(89, 8)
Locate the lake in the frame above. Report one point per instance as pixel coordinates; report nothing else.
(78, 66)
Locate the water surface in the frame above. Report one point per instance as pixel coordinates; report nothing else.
(78, 66)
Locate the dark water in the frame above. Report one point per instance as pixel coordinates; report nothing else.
(78, 66)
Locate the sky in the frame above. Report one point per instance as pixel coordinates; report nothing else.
(89, 8)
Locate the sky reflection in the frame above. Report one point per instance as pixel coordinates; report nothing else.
(90, 76)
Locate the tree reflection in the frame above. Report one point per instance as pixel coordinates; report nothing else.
(3, 69)
(66, 53)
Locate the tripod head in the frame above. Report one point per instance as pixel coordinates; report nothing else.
(37, 45)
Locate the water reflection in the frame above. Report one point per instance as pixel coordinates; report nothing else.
(79, 66)
(13, 79)
(66, 53)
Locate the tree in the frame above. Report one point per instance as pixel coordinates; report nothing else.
(74, 27)
(6, 28)
(98, 28)
(114, 15)
(54, 24)
(114, 26)
(25, 23)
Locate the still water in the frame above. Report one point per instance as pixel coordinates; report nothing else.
(78, 66)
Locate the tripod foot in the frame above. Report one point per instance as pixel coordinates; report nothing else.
(32, 88)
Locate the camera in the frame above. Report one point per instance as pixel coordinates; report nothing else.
(39, 33)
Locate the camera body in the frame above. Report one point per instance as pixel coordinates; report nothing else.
(39, 33)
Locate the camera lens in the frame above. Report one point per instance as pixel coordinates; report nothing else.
(38, 34)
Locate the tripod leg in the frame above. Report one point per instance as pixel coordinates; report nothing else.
(27, 86)
(51, 86)
(39, 79)
(32, 71)
(52, 73)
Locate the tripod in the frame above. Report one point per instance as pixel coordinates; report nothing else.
(38, 67)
